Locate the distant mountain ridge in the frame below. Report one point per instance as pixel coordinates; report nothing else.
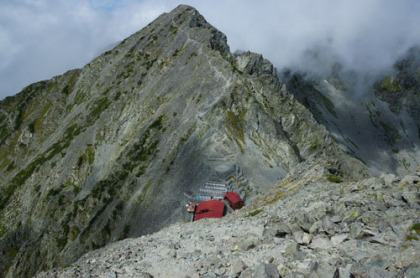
(105, 152)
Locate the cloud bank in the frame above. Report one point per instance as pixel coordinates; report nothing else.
(43, 38)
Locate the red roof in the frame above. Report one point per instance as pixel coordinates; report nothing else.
(235, 201)
(209, 209)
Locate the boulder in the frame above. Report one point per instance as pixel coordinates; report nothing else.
(266, 271)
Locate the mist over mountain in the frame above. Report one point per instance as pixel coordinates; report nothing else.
(105, 152)
(365, 37)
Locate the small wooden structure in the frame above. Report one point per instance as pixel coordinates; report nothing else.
(209, 209)
(235, 201)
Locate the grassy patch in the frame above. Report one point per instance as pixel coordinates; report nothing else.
(4, 129)
(314, 144)
(80, 161)
(235, 125)
(141, 151)
(87, 156)
(13, 252)
(25, 173)
(239, 145)
(11, 167)
(334, 178)
(192, 55)
(142, 197)
(198, 99)
(117, 96)
(148, 64)
(99, 106)
(3, 157)
(4, 133)
(91, 154)
(406, 164)
(31, 127)
(327, 103)
(392, 135)
(276, 198)
(3, 230)
(411, 237)
(255, 212)
(19, 117)
(369, 109)
(74, 232)
(390, 84)
(61, 242)
(173, 30)
(176, 52)
(415, 227)
(53, 192)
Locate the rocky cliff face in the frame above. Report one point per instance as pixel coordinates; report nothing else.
(378, 123)
(105, 152)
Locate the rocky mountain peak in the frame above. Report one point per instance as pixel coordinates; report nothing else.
(194, 19)
(105, 152)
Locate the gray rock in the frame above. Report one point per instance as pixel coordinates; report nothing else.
(328, 226)
(361, 271)
(413, 271)
(246, 244)
(336, 219)
(352, 215)
(110, 274)
(366, 233)
(370, 218)
(344, 272)
(302, 238)
(360, 256)
(413, 200)
(389, 179)
(324, 270)
(410, 180)
(355, 230)
(209, 275)
(237, 265)
(321, 243)
(315, 227)
(278, 230)
(306, 266)
(338, 239)
(247, 273)
(266, 271)
(221, 271)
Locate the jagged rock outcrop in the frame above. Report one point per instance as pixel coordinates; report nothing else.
(368, 228)
(104, 152)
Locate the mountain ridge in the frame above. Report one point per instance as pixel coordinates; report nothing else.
(105, 152)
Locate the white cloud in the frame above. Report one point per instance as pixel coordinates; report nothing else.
(42, 38)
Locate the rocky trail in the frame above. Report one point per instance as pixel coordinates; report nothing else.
(368, 228)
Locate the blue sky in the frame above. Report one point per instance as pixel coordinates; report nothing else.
(43, 38)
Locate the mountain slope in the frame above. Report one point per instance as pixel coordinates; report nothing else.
(367, 228)
(105, 152)
(379, 125)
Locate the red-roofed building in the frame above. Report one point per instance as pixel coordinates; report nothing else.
(209, 209)
(235, 201)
